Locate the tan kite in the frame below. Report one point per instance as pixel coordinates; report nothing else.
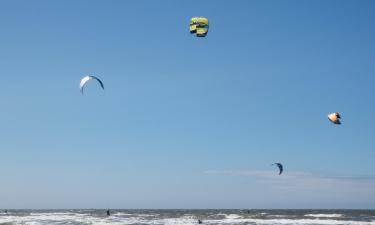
(334, 117)
(199, 26)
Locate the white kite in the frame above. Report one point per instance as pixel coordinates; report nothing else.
(88, 78)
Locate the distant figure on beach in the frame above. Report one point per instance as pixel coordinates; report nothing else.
(5, 211)
(200, 222)
(248, 211)
(108, 213)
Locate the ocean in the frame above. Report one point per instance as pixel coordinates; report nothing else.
(187, 217)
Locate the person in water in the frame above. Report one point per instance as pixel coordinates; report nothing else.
(108, 213)
(200, 222)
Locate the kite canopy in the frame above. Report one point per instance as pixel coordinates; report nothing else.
(86, 79)
(334, 118)
(199, 26)
(280, 166)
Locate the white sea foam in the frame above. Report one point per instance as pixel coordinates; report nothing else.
(292, 222)
(77, 218)
(175, 221)
(277, 216)
(324, 215)
(233, 216)
(121, 214)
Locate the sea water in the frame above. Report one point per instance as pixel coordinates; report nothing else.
(188, 217)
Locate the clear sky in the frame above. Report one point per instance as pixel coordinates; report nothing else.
(187, 122)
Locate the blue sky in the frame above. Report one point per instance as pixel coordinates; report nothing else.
(187, 122)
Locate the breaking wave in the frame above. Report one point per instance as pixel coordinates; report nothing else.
(175, 217)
